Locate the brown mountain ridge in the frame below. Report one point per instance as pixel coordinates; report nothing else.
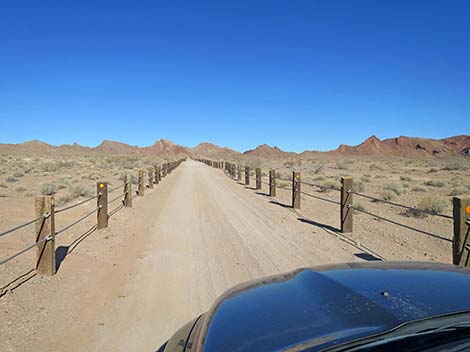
(410, 147)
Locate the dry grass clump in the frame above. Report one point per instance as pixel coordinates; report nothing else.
(418, 189)
(406, 178)
(387, 195)
(433, 204)
(359, 206)
(396, 188)
(18, 174)
(11, 179)
(434, 183)
(81, 191)
(358, 186)
(343, 164)
(365, 178)
(459, 191)
(48, 189)
(330, 184)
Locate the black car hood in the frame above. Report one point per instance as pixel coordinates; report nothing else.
(313, 309)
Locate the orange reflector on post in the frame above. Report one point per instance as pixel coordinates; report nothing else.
(467, 209)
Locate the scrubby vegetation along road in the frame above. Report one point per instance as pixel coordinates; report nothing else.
(128, 287)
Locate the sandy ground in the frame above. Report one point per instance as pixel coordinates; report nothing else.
(160, 264)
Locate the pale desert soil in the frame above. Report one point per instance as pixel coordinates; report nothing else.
(163, 262)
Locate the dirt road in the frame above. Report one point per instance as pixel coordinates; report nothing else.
(210, 234)
(193, 237)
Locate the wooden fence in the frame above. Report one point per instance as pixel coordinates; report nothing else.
(460, 216)
(45, 232)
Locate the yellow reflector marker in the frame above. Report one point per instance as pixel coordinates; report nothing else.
(101, 185)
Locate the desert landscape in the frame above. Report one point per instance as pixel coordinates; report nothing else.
(199, 231)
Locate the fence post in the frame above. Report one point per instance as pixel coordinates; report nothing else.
(296, 190)
(156, 174)
(346, 213)
(247, 175)
(102, 200)
(272, 183)
(150, 172)
(239, 173)
(45, 228)
(258, 178)
(127, 191)
(141, 186)
(461, 214)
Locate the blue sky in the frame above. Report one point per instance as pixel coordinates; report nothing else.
(296, 74)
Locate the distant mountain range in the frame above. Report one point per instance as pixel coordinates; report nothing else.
(401, 146)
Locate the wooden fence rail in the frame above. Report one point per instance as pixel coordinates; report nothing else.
(460, 216)
(45, 232)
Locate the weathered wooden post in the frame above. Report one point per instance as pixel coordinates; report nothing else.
(127, 191)
(233, 170)
(150, 172)
(272, 183)
(296, 190)
(141, 186)
(258, 178)
(45, 228)
(239, 173)
(159, 173)
(247, 175)
(346, 212)
(156, 175)
(102, 202)
(460, 247)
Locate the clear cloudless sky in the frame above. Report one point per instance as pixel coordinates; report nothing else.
(298, 74)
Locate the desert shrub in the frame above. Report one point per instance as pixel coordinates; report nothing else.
(11, 179)
(66, 163)
(289, 164)
(365, 178)
(93, 177)
(343, 164)
(299, 162)
(405, 178)
(331, 184)
(387, 195)
(317, 168)
(318, 178)
(455, 165)
(396, 188)
(359, 206)
(432, 204)
(102, 164)
(2, 185)
(434, 183)
(62, 200)
(432, 170)
(358, 186)
(81, 191)
(18, 174)
(48, 189)
(419, 189)
(47, 166)
(20, 189)
(376, 167)
(458, 191)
